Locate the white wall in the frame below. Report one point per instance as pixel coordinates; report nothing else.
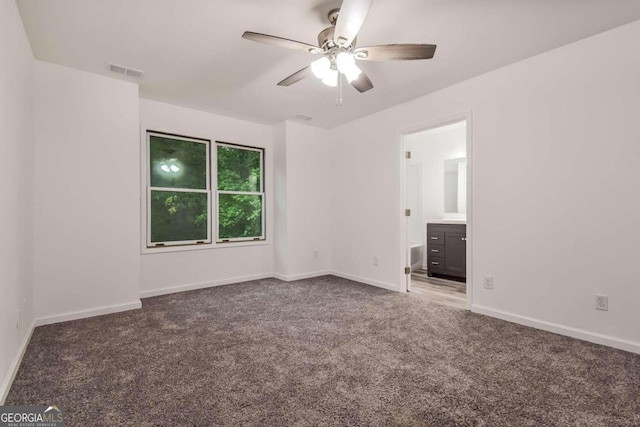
(16, 143)
(180, 270)
(308, 200)
(86, 221)
(366, 202)
(281, 243)
(555, 200)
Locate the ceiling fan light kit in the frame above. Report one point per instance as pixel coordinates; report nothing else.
(337, 45)
(346, 64)
(320, 67)
(331, 78)
(326, 69)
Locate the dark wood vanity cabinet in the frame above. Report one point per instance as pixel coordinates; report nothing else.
(447, 250)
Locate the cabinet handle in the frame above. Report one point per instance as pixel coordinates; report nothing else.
(435, 250)
(434, 238)
(435, 263)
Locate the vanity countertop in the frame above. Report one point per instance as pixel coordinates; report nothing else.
(446, 221)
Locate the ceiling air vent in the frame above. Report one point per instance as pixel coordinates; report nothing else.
(131, 72)
(302, 117)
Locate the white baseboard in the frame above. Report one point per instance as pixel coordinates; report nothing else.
(384, 285)
(83, 314)
(292, 277)
(622, 344)
(15, 365)
(202, 285)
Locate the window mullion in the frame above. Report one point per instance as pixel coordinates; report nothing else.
(180, 190)
(248, 193)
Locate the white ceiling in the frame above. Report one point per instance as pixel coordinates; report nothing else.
(192, 53)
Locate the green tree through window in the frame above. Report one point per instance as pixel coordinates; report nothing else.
(178, 203)
(179, 194)
(240, 193)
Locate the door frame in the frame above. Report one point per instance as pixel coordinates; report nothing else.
(404, 238)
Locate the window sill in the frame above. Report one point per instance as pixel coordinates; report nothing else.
(208, 246)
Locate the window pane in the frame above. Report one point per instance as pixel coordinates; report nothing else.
(178, 216)
(238, 169)
(239, 216)
(176, 163)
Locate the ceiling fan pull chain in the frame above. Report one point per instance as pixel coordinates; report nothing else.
(339, 99)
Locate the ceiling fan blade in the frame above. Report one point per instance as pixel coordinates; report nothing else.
(350, 19)
(296, 77)
(390, 52)
(279, 41)
(362, 83)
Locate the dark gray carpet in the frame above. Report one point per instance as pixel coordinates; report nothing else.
(323, 351)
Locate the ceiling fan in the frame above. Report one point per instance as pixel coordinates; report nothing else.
(338, 51)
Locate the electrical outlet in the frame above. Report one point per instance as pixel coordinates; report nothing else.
(602, 302)
(488, 282)
(315, 254)
(376, 261)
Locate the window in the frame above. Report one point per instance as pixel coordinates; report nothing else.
(181, 208)
(178, 195)
(240, 195)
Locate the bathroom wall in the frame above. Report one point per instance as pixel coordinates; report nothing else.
(425, 175)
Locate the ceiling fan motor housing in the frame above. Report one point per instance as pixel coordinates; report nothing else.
(326, 40)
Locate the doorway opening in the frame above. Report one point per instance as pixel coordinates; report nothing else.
(437, 201)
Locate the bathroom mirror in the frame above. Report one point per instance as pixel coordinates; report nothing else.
(455, 185)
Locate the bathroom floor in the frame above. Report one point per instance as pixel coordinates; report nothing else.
(441, 291)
